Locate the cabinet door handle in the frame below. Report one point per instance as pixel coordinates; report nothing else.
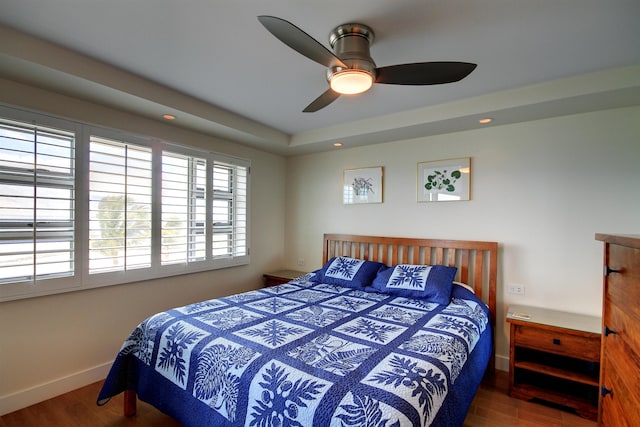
(604, 391)
(608, 270)
(556, 341)
(608, 331)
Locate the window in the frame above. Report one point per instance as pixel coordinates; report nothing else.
(184, 207)
(229, 209)
(82, 207)
(119, 206)
(37, 192)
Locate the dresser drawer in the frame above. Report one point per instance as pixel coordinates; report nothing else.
(622, 287)
(621, 407)
(621, 326)
(583, 345)
(613, 415)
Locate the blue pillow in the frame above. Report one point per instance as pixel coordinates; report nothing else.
(430, 282)
(348, 272)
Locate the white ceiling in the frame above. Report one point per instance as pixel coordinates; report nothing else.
(213, 65)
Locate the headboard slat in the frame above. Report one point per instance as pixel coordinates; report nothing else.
(427, 255)
(464, 267)
(452, 257)
(394, 255)
(477, 271)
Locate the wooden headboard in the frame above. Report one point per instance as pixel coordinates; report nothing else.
(477, 262)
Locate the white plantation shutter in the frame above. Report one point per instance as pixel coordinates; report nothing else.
(37, 193)
(229, 218)
(184, 181)
(83, 206)
(120, 206)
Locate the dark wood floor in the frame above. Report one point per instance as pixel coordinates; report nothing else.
(492, 407)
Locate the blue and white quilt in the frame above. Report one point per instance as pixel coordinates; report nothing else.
(309, 354)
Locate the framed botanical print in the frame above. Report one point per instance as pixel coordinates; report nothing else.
(444, 180)
(362, 186)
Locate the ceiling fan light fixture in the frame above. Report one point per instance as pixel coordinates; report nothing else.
(350, 67)
(351, 82)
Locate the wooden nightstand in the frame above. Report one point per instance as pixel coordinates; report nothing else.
(282, 276)
(555, 357)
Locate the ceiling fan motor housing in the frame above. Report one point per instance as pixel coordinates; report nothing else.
(350, 43)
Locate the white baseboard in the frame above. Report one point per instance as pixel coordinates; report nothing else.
(30, 396)
(502, 363)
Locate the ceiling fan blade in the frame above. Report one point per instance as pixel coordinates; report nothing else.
(424, 73)
(300, 41)
(322, 101)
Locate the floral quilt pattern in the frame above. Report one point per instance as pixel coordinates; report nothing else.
(303, 354)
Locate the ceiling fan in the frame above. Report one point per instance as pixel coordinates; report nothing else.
(351, 70)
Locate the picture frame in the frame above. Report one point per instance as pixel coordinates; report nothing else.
(362, 186)
(444, 180)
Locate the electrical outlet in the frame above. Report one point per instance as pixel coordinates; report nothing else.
(300, 262)
(516, 289)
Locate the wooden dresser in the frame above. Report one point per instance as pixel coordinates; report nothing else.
(620, 365)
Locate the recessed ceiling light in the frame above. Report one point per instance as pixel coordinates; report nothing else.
(337, 144)
(168, 117)
(486, 120)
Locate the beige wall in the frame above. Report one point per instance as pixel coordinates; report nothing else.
(53, 344)
(542, 189)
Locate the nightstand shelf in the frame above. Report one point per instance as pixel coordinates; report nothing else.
(281, 276)
(561, 398)
(555, 357)
(579, 377)
(568, 368)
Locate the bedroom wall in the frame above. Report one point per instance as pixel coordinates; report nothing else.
(54, 344)
(542, 189)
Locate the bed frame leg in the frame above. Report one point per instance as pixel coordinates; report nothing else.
(129, 403)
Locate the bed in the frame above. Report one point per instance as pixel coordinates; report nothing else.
(389, 332)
